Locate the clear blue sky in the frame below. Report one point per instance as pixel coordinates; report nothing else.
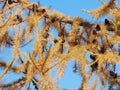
(72, 8)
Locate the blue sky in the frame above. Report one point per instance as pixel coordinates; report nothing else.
(70, 7)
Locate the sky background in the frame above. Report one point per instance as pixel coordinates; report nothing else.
(72, 8)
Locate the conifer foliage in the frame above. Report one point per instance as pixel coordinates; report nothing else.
(23, 23)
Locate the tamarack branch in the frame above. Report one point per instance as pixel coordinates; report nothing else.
(47, 52)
